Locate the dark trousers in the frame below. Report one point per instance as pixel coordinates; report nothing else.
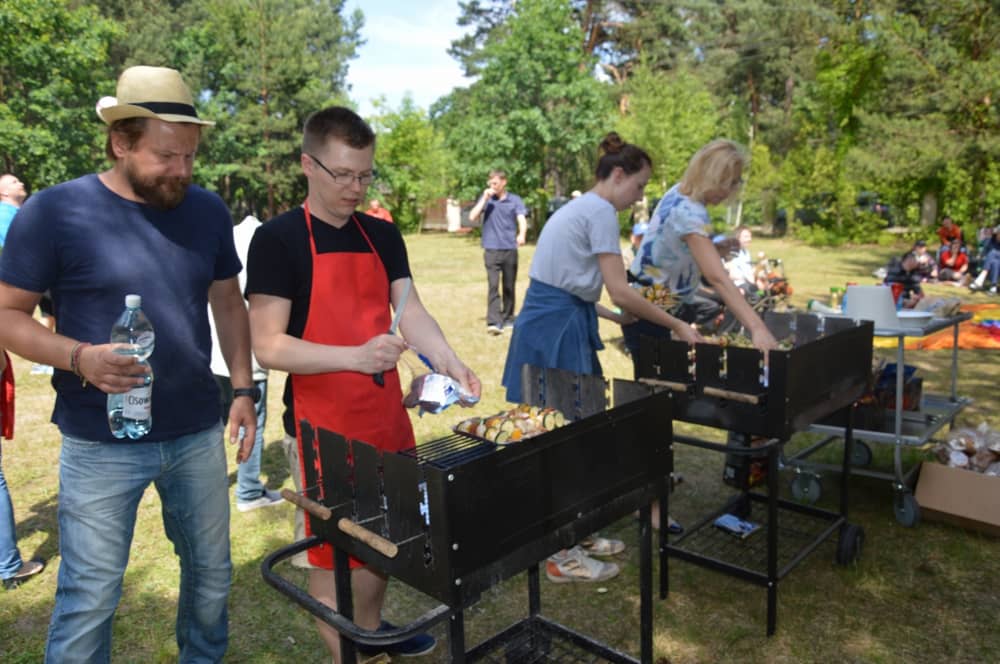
(501, 273)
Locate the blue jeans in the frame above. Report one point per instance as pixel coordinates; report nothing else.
(100, 485)
(991, 264)
(10, 557)
(248, 484)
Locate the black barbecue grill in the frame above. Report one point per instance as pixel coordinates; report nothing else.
(825, 371)
(458, 515)
(731, 388)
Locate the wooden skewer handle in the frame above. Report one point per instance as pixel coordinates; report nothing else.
(316, 509)
(380, 544)
(732, 396)
(669, 384)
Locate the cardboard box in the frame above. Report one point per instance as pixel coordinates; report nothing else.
(961, 497)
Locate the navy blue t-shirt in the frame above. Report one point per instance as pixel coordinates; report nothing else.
(89, 248)
(500, 221)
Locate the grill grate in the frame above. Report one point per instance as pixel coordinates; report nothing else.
(451, 451)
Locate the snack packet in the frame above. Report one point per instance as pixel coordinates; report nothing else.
(434, 392)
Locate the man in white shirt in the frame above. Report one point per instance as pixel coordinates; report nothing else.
(250, 491)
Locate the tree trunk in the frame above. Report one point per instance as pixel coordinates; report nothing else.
(929, 209)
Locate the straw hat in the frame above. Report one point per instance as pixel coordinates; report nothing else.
(150, 92)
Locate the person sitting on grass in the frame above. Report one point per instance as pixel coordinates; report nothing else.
(904, 271)
(954, 264)
(991, 263)
(948, 231)
(926, 264)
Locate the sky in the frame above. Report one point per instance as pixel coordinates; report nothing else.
(405, 50)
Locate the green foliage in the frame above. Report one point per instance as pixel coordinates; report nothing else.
(52, 72)
(833, 98)
(262, 67)
(670, 115)
(535, 111)
(411, 160)
(936, 117)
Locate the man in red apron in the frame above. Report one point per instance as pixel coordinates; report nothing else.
(320, 279)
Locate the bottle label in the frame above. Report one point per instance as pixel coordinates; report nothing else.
(138, 403)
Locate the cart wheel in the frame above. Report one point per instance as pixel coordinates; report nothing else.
(862, 454)
(852, 539)
(907, 509)
(806, 488)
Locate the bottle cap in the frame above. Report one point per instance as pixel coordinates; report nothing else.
(133, 301)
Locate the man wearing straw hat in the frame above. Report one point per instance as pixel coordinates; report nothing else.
(138, 227)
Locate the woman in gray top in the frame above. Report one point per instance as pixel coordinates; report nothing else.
(578, 253)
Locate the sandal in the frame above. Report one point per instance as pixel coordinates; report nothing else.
(601, 546)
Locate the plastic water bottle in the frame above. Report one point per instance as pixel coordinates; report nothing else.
(817, 307)
(131, 414)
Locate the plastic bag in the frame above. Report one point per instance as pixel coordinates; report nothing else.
(433, 392)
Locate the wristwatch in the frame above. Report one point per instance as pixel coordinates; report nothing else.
(252, 392)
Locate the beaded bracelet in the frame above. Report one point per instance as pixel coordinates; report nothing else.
(74, 360)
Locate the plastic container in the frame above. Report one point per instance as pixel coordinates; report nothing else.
(131, 413)
(836, 297)
(872, 303)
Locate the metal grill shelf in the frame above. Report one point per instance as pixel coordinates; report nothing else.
(537, 640)
(798, 529)
(788, 531)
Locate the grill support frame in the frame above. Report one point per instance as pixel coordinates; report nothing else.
(643, 426)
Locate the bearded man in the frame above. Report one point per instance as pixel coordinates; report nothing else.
(139, 227)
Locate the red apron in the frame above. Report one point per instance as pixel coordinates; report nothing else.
(348, 305)
(7, 400)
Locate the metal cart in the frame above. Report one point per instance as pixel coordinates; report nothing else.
(903, 428)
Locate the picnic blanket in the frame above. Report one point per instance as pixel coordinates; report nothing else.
(982, 331)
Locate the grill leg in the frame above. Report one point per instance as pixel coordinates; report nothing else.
(664, 523)
(646, 585)
(345, 602)
(456, 638)
(848, 455)
(534, 591)
(772, 538)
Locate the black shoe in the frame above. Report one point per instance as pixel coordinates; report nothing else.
(420, 644)
(28, 569)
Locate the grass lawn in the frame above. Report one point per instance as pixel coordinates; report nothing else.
(924, 594)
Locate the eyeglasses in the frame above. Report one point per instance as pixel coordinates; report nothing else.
(345, 179)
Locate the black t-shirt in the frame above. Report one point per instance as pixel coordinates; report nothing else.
(896, 274)
(279, 263)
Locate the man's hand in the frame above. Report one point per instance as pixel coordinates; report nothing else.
(521, 239)
(466, 378)
(380, 353)
(242, 420)
(109, 371)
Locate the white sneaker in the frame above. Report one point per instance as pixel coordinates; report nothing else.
(575, 565)
(268, 499)
(494, 330)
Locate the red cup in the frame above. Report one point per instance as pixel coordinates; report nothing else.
(897, 292)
